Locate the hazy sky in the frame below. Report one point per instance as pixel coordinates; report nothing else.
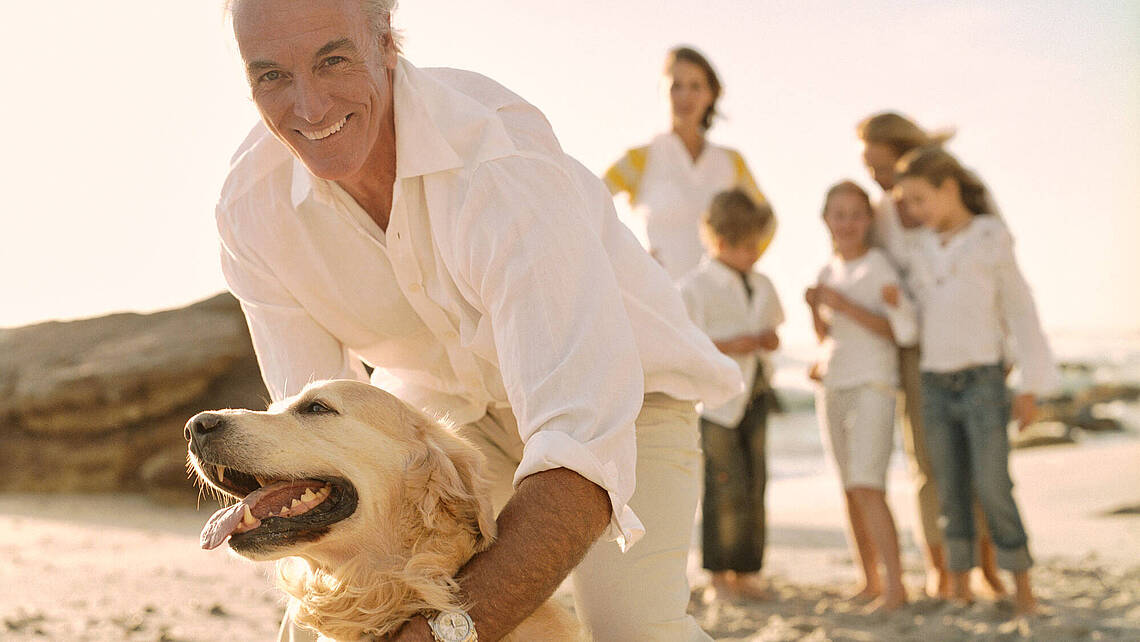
(121, 116)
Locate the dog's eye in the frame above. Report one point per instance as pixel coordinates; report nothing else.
(316, 408)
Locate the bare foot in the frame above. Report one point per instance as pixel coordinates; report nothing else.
(865, 594)
(960, 592)
(749, 586)
(937, 584)
(889, 602)
(1024, 604)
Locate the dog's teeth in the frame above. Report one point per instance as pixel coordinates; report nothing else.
(295, 504)
(221, 472)
(308, 496)
(261, 480)
(248, 519)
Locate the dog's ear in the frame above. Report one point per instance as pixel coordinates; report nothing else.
(449, 473)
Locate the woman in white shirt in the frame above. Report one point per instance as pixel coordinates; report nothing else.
(860, 312)
(671, 180)
(972, 295)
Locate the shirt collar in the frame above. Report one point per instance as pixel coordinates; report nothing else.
(722, 273)
(438, 128)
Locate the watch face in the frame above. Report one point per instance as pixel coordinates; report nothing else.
(453, 626)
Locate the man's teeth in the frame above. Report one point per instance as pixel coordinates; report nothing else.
(325, 133)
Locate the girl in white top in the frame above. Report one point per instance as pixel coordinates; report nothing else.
(860, 312)
(671, 181)
(972, 294)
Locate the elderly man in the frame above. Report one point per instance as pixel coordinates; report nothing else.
(427, 222)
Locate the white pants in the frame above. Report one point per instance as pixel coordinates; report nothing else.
(858, 426)
(642, 594)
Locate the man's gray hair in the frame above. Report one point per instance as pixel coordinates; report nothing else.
(378, 13)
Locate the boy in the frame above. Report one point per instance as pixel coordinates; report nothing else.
(739, 309)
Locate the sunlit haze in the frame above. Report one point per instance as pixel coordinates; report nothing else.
(121, 117)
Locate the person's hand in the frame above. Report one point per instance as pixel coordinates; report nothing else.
(891, 295)
(830, 297)
(742, 344)
(813, 372)
(1024, 409)
(768, 340)
(811, 296)
(414, 630)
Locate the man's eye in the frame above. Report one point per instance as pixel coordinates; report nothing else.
(269, 76)
(316, 408)
(334, 60)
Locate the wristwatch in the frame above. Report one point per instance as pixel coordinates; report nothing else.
(452, 626)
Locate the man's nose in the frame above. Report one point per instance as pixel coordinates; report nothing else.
(203, 423)
(311, 101)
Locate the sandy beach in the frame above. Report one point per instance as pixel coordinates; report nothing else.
(119, 567)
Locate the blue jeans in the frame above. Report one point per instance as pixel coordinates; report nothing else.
(966, 413)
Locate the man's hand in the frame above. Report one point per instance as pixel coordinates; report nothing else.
(891, 295)
(546, 528)
(1024, 410)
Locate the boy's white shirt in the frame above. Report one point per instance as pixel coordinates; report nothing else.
(715, 297)
(852, 355)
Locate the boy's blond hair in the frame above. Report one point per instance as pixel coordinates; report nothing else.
(734, 217)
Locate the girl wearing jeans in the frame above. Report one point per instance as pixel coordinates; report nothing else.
(971, 294)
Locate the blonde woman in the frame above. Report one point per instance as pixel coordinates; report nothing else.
(671, 181)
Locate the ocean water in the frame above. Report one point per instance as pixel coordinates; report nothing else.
(795, 446)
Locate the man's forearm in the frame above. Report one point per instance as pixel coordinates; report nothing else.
(545, 530)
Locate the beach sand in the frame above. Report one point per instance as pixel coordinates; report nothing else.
(118, 567)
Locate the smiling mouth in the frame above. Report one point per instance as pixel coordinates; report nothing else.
(322, 134)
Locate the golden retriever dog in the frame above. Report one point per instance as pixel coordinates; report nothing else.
(381, 504)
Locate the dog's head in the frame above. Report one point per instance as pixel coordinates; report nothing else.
(336, 470)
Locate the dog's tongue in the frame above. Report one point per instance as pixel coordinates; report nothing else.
(221, 524)
(225, 520)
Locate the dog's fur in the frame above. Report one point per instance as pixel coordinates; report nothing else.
(422, 511)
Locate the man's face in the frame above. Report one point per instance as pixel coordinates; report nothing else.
(320, 78)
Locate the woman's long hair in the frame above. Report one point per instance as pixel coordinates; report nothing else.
(692, 56)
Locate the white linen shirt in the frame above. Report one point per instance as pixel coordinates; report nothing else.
(503, 278)
(715, 297)
(971, 294)
(852, 355)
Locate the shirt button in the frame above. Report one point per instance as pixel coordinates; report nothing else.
(414, 287)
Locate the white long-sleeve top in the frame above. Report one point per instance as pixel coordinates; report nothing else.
(972, 294)
(504, 277)
(852, 355)
(718, 303)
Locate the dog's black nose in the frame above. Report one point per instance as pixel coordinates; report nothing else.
(203, 423)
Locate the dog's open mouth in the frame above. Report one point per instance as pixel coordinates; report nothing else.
(274, 513)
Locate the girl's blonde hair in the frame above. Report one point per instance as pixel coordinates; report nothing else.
(934, 165)
(898, 132)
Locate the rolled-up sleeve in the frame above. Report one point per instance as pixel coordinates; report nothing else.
(292, 348)
(525, 245)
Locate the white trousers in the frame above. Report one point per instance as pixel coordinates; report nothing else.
(643, 594)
